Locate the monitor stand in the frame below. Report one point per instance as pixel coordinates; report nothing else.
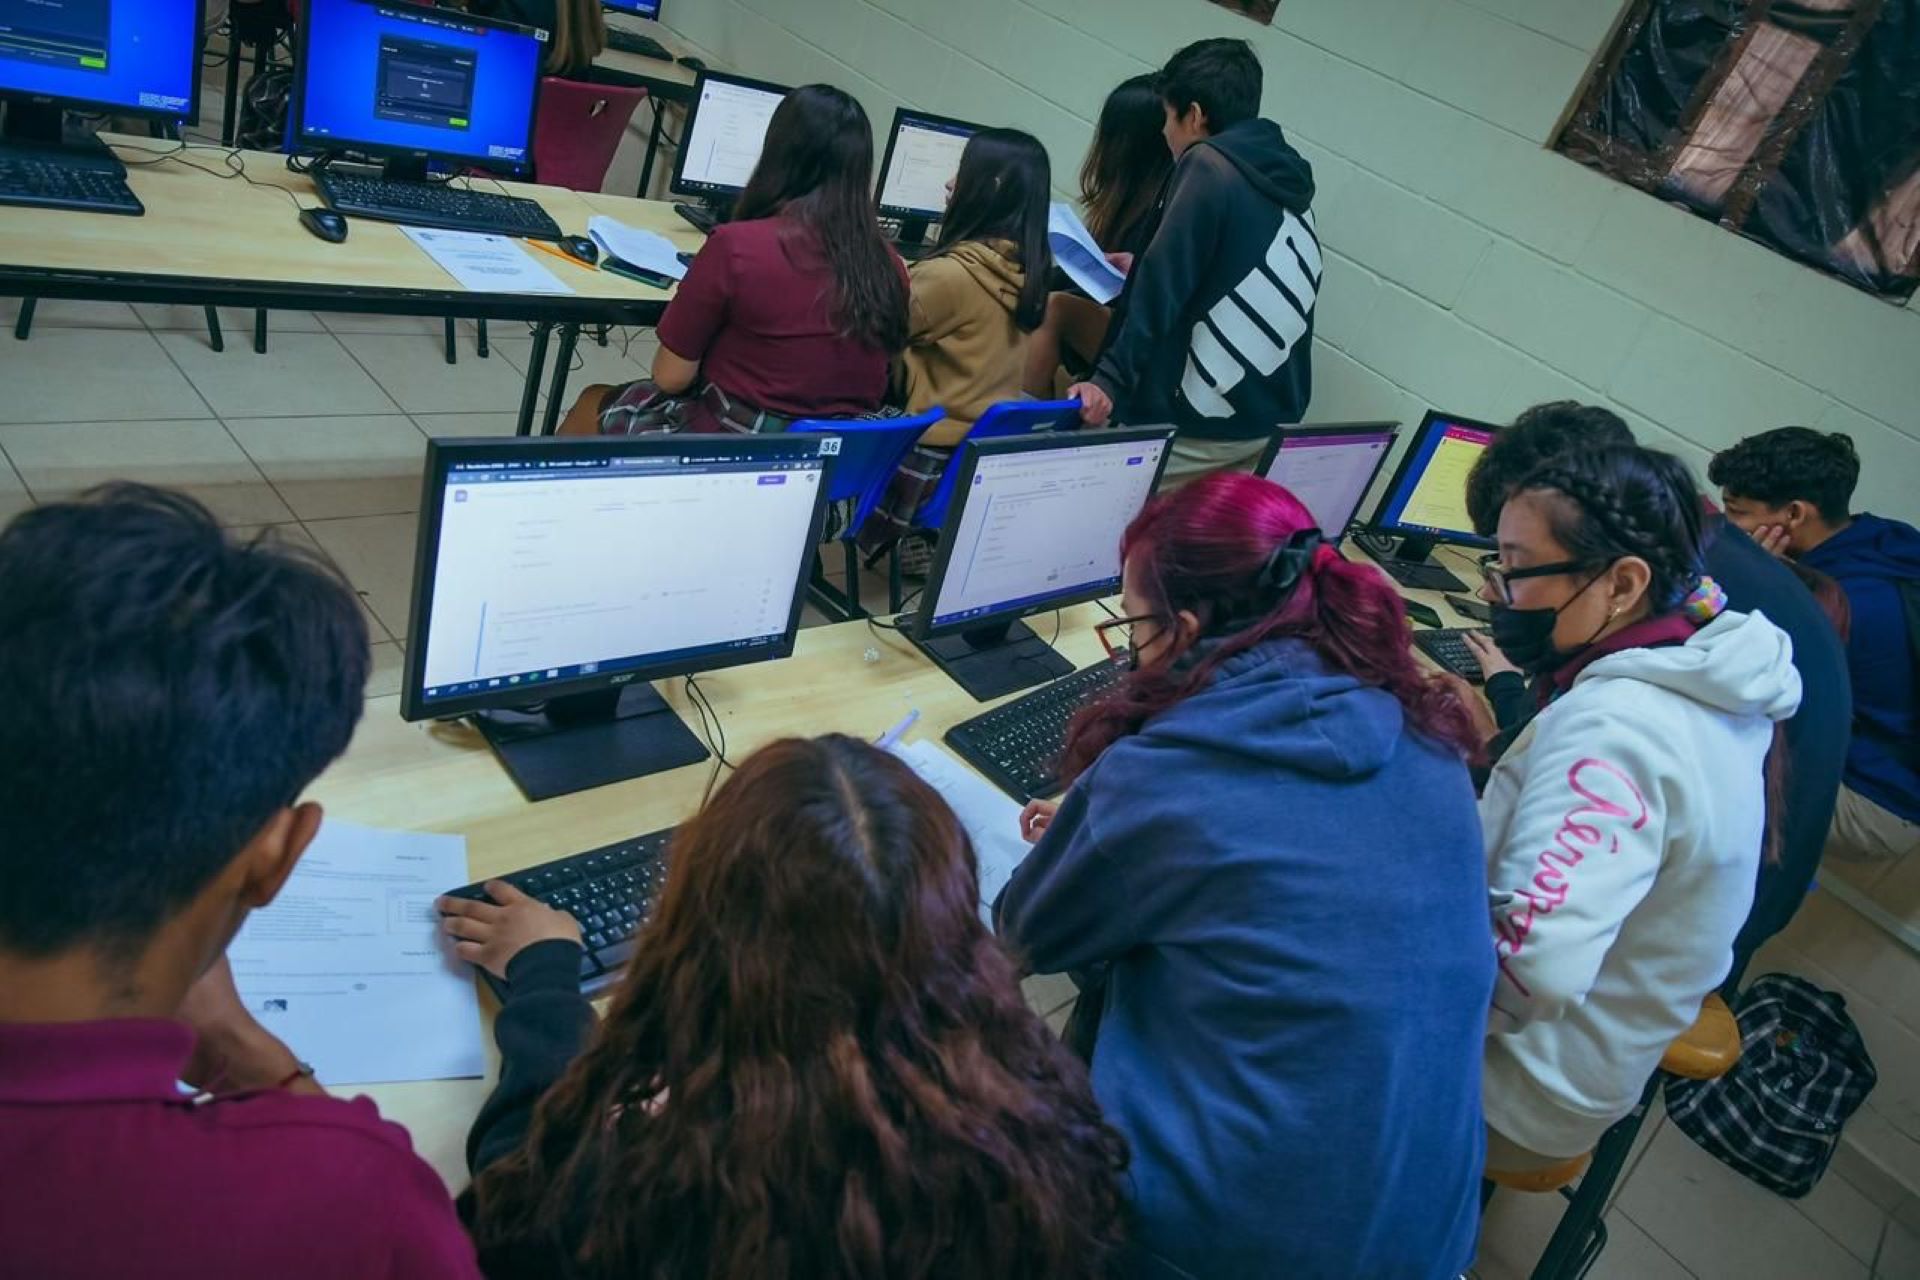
(705, 215)
(1409, 563)
(411, 169)
(37, 131)
(991, 662)
(589, 740)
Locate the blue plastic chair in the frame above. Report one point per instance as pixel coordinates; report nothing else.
(871, 451)
(1008, 418)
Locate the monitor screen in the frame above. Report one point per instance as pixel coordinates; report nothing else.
(140, 57)
(389, 77)
(724, 134)
(1428, 496)
(638, 8)
(568, 565)
(923, 154)
(1038, 523)
(1330, 469)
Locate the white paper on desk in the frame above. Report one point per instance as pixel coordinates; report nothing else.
(647, 250)
(485, 263)
(1082, 259)
(991, 819)
(347, 966)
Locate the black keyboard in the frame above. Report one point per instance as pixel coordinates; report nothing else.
(1018, 746)
(1419, 575)
(609, 891)
(427, 204)
(634, 42)
(1448, 647)
(52, 182)
(698, 217)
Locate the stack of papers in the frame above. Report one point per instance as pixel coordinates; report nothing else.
(485, 263)
(347, 965)
(636, 249)
(991, 819)
(1083, 261)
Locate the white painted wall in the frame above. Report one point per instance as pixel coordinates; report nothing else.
(1468, 267)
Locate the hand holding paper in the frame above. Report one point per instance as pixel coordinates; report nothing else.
(1084, 261)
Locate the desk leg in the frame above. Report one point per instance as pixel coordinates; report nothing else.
(24, 324)
(562, 367)
(653, 149)
(232, 104)
(536, 369)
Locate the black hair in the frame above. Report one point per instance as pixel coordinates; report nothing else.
(167, 690)
(1623, 500)
(816, 167)
(1537, 436)
(1126, 166)
(1778, 466)
(1001, 192)
(1223, 76)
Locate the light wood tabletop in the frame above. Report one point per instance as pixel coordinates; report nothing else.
(668, 79)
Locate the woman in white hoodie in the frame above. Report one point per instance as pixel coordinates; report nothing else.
(1625, 825)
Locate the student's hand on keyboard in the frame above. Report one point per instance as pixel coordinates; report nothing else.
(491, 934)
(1487, 654)
(1096, 406)
(1036, 818)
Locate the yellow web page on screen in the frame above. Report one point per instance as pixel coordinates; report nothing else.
(1441, 500)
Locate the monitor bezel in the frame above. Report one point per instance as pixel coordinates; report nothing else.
(968, 461)
(1309, 431)
(900, 116)
(441, 454)
(678, 184)
(1378, 522)
(303, 62)
(192, 117)
(616, 6)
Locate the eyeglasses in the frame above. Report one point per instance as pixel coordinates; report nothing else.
(1500, 579)
(1123, 628)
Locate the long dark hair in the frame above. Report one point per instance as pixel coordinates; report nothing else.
(1202, 548)
(816, 168)
(1127, 164)
(1001, 193)
(819, 1064)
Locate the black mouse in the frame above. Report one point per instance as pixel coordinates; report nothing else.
(581, 248)
(692, 63)
(325, 223)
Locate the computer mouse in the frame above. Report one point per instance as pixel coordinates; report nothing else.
(692, 63)
(581, 249)
(325, 223)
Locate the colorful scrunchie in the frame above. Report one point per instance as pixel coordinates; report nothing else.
(1708, 601)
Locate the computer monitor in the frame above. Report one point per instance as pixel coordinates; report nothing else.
(923, 155)
(1329, 468)
(1035, 525)
(128, 57)
(720, 144)
(1426, 502)
(554, 578)
(637, 8)
(408, 84)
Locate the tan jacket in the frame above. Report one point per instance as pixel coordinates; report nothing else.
(965, 352)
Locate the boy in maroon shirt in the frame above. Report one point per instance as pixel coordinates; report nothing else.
(168, 693)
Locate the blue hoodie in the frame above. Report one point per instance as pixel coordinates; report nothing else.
(1288, 890)
(1870, 559)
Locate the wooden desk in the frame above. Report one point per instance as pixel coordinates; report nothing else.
(212, 236)
(664, 80)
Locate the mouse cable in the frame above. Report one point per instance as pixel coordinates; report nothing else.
(661, 121)
(875, 624)
(233, 164)
(713, 731)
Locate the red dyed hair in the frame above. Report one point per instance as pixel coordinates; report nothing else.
(1202, 548)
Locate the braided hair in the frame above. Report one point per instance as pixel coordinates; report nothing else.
(1623, 500)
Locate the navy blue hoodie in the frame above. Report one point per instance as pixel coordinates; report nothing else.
(1288, 891)
(1872, 559)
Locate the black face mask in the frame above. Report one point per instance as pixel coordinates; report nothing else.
(1525, 636)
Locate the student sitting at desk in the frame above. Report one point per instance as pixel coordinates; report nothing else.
(792, 310)
(1214, 331)
(577, 30)
(819, 1063)
(1120, 185)
(1271, 851)
(1625, 826)
(169, 694)
(975, 299)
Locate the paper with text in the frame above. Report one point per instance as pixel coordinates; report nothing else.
(991, 819)
(647, 250)
(347, 964)
(1082, 259)
(485, 263)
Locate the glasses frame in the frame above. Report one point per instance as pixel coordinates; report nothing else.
(1106, 629)
(1500, 580)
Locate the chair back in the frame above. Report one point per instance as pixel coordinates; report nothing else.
(577, 128)
(1009, 418)
(871, 450)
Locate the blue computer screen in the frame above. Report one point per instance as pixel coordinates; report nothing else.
(386, 76)
(137, 55)
(639, 8)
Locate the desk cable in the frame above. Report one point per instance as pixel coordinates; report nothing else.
(233, 162)
(712, 730)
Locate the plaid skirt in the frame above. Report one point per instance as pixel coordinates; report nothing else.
(914, 483)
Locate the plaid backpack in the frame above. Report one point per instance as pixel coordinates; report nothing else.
(1776, 1117)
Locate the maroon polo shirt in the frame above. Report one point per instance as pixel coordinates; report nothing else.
(108, 1170)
